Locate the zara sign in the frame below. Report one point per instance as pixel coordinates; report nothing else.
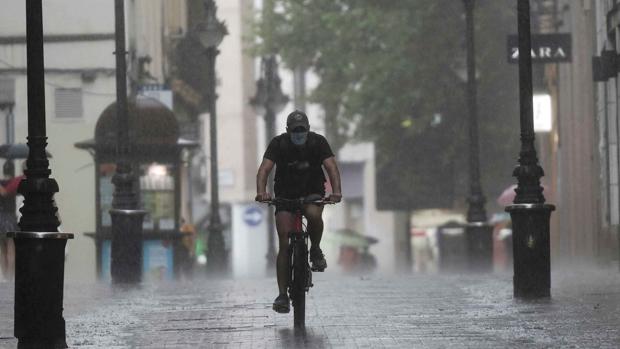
(546, 48)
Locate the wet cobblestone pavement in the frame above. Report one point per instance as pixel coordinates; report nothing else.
(419, 311)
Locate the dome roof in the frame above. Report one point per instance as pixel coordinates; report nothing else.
(150, 123)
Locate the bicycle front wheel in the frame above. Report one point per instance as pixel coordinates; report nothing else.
(300, 271)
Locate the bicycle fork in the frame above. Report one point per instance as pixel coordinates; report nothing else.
(298, 244)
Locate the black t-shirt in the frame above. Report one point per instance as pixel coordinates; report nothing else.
(298, 168)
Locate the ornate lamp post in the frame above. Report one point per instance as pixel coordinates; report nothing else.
(210, 33)
(530, 215)
(126, 247)
(479, 234)
(39, 247)
(269, 101)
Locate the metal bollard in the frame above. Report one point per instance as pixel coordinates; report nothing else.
(479, 237)
(39, 282)
(531, 249)
(126, 249)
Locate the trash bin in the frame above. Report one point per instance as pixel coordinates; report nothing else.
(452, 245)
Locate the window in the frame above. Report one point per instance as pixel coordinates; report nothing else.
(7, 92)
(69, 103)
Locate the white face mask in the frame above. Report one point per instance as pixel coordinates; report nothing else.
(299, 138)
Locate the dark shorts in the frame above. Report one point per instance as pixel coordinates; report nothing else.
(290, 208)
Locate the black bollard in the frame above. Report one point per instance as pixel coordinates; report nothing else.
(39, 281)
(531, 249)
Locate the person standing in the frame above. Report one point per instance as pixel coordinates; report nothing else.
(189, 247)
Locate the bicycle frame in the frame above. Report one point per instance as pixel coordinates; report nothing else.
(298, 226)
(300, 274)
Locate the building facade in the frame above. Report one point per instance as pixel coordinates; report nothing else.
(606, 17)
(80, 84)
(78, 87)
(579, 230)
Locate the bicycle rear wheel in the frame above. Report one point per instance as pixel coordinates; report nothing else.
(298, 286)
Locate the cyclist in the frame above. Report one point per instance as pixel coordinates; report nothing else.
(299, 156)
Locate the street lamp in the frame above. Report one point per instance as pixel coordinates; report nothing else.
(479, 233)
(39, 247)
(269, 101)
(210, 34)
(126, 245)
(529, 213)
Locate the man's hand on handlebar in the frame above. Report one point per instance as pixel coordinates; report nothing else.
(262, 197)
(334, 198)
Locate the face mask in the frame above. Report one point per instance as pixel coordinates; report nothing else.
(299, 138)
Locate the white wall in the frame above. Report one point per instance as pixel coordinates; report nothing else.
(237, 133)
(60, 17)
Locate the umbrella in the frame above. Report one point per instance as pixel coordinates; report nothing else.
(351, 238)
(508, 195)
(16, 151)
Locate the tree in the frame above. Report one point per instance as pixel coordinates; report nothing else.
(387, 73)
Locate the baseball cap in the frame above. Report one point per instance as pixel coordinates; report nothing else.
(297, 119)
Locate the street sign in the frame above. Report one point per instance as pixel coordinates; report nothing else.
(253, 216)
(546, 48)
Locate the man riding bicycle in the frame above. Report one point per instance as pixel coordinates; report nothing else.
(299, 156)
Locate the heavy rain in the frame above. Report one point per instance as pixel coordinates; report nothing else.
(309, 174)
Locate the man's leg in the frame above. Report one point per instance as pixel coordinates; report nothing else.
(284, 224)
(314, 217)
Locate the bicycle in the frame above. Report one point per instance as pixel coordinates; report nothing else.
(300, 274)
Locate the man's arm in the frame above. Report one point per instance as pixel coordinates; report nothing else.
(261, 180)
(334, 178)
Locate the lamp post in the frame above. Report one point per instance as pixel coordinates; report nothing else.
(269, 101)
(210, 33)
(529, 213)
(126, 245)
(479, 233)
(39, 247)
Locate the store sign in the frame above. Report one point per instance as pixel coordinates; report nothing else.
(158, 92)
(546, 48)
(542, 113)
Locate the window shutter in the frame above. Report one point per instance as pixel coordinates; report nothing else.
(69, 103)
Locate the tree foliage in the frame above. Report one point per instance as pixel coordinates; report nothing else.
(388, 74)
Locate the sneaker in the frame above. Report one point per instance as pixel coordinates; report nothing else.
(282, 304)
(318, 259)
